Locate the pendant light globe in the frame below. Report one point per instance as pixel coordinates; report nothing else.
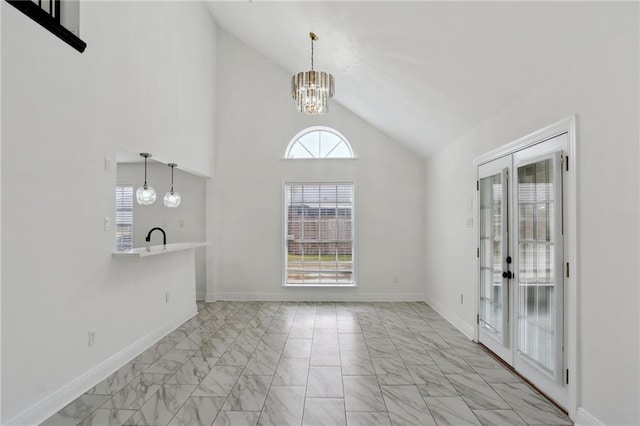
(172, 198)
(145, 195)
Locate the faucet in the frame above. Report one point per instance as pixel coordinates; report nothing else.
(164, 235)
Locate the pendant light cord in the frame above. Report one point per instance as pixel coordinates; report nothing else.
(172, 179)
(145, 172)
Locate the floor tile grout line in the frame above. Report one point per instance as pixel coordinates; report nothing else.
(227, 397)
(274, 373)
(237, 316)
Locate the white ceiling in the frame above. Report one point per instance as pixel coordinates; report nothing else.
(426, 73)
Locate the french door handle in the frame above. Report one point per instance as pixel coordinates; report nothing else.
(507, 274)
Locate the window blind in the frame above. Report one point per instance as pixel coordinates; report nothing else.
(319, 236)
(124, 217)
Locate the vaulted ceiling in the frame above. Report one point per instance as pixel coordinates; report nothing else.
(426, 73)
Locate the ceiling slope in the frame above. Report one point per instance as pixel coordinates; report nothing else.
(426, 73)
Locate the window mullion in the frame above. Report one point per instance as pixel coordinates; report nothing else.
(317, 226)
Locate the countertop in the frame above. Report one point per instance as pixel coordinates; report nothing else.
(159, 249)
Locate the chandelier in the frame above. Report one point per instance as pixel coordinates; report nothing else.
(312, 89)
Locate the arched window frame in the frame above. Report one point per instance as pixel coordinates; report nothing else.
(313, 129)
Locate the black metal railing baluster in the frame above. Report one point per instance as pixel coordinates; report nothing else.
(57, 10)
(48, 14)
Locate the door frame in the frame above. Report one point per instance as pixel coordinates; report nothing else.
(568, 126)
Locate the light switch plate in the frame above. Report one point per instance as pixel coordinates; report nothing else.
(107, 224)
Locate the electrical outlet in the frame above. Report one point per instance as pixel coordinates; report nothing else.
(182, 224)
(107, 224)
(92, 338)
(470, 222)
(166, 297)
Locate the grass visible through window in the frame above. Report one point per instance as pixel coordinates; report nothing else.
(316, 258)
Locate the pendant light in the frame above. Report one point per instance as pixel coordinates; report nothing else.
(145, 194)
(172, 198)
(312, 89)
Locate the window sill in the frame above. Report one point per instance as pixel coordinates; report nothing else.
(35, 12)
(320, 285)
(319, 159)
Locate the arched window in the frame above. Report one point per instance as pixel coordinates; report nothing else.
(319, 142)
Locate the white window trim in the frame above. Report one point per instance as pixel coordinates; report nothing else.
(354, 246)
(312, 129)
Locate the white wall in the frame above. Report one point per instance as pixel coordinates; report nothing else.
(140, 87)
(602, 89)
(1, 9)
(256, 121)
(184, 223)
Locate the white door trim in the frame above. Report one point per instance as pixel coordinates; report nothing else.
(567, 125)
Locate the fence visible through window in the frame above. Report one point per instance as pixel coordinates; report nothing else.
(319, 245)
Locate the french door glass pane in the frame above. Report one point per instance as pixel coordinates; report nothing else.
(491, 282)
(537, 277)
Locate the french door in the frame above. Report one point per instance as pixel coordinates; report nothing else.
(521, 295)
(494, 308)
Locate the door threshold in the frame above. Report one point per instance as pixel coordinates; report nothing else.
(524, 379)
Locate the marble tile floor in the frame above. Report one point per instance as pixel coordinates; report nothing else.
(312, 364)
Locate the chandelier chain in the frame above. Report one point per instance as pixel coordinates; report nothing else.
(311, 53)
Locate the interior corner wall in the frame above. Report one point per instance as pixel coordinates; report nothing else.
(186, 223)
(142, 87)
(602, 90)
(256, 120)
(1, 9)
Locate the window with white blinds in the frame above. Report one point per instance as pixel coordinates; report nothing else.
(319, 234)
(124, 217)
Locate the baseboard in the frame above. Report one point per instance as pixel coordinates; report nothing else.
(209, 298)
(463, 326)
(584, 418)
(55, 401)
(201, 295)
(328, 296)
